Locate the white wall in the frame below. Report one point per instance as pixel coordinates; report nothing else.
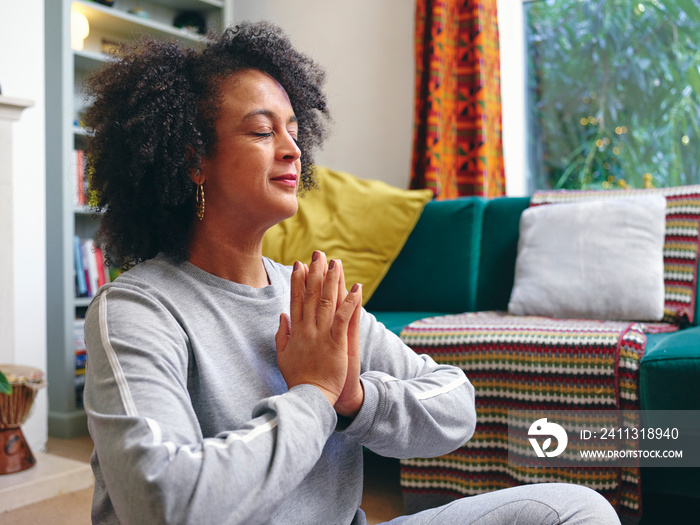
(22, 76)
(366, 47)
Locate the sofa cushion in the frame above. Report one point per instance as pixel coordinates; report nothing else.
(437, 269)
(592, 260)
(682, 241)
(499, 248)
(364, 223)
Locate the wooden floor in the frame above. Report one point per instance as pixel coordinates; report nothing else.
(72, 508)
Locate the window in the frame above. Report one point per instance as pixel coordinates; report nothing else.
(613, 93)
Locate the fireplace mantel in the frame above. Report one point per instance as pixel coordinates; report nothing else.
(11, 108)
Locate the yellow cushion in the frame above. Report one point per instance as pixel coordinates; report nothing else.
(364, 223)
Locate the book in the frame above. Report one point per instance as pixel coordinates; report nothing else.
(80, 186)
(81, 284)
(92, 266)
(91, 269)
(79, 339)
(100, 265)
(80, 359)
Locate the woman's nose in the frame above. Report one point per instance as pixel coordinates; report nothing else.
(288, 149)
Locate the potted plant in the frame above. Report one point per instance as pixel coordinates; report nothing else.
(5, 386)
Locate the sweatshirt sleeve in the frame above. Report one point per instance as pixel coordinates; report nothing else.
(413, 407)
(151, 455)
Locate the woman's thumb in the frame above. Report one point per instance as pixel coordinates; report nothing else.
(282, 335)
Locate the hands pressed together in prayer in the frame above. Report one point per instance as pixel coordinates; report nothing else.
(319, 342)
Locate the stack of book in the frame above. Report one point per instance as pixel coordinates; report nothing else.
(80, 182)
(90, 269)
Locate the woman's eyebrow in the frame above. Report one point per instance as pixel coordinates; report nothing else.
(268, 113)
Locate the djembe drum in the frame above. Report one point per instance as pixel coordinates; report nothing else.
(15, 408)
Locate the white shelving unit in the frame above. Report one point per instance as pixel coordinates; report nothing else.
(66, 69)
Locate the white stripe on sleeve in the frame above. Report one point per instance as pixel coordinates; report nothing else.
(124, 392)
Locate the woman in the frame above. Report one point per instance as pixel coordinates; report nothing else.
(223, 387)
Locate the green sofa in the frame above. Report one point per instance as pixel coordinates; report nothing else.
(460, 257)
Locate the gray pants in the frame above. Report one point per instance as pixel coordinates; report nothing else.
(539, 504)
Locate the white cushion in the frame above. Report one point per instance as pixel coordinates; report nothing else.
(592, 260)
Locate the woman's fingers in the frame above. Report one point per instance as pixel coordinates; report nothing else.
(298, 290)
(329, 297)
(352, 397)
(354, 352)
(354, 329)
(341, 321)
(283, 332)
(314, 285)
(342, 291)
(313, 341)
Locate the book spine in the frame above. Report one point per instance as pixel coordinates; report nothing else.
(80, 359)
(81, 182)
(81, 285)
(100, 265)
(76, 190)
(89, 261)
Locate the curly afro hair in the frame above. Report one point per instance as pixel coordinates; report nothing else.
(152, 123)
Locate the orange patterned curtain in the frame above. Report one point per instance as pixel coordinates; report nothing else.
(457, 145)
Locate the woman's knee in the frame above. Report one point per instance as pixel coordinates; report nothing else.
(551, 504)
(579, 505)
(541, 504)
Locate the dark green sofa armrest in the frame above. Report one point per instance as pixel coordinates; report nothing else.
(436, 270)
(669, 376)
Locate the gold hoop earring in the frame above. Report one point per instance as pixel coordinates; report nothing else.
(199, 197)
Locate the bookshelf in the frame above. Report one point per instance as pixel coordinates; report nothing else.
(66, 69)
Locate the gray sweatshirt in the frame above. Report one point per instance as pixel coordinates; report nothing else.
(193, 421)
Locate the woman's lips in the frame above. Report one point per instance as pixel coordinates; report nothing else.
(287, 180)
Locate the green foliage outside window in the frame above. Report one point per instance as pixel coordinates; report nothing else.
(614, 92)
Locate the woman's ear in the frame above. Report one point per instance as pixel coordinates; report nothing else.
(197, 176)
(195, 172)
